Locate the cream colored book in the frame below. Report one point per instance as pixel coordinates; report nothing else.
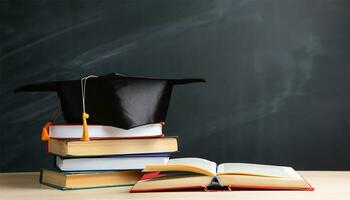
(192, 173)
(66, 148)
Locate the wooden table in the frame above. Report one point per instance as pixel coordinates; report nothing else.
(329, 185)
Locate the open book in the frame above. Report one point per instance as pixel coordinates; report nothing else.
(192, 173)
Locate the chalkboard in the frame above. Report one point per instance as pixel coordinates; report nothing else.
(277, 73)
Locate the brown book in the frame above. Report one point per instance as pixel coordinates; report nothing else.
(67, 181)
(197, 173)
(68, 148)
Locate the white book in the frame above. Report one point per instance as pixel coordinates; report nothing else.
(125, 162)
(68, 131)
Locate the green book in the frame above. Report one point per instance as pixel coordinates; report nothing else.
(88, 180)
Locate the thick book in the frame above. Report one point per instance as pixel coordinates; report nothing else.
(121, 162)
(74, 131)
(66, 148)
(73, 181)
(196, 173)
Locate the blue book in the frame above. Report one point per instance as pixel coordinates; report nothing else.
(110, 163)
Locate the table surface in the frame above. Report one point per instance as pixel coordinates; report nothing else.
(328, 185)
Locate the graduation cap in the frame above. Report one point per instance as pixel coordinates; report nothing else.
(113, 100)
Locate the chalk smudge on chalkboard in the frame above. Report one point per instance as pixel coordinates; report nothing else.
(245, 114)
(49, 37)
(33, 110)
(133, 41)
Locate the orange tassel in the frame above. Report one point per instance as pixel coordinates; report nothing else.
(45, 132)
(85, 127)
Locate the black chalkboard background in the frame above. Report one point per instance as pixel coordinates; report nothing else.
(277, 71)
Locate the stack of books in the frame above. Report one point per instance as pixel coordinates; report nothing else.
(107, 155)
(112, 157)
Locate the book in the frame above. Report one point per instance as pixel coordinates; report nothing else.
(191, 173)
(74, 131)
(121, 162)
(66, 148)
(71, 181)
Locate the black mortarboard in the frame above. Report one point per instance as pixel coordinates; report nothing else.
(113, 99)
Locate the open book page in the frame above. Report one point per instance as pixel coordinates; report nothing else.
(196, 165)
(257, 170)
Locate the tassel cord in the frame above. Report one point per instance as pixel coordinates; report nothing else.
(85, 116)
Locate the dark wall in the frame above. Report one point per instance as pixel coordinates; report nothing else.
(277, 71)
